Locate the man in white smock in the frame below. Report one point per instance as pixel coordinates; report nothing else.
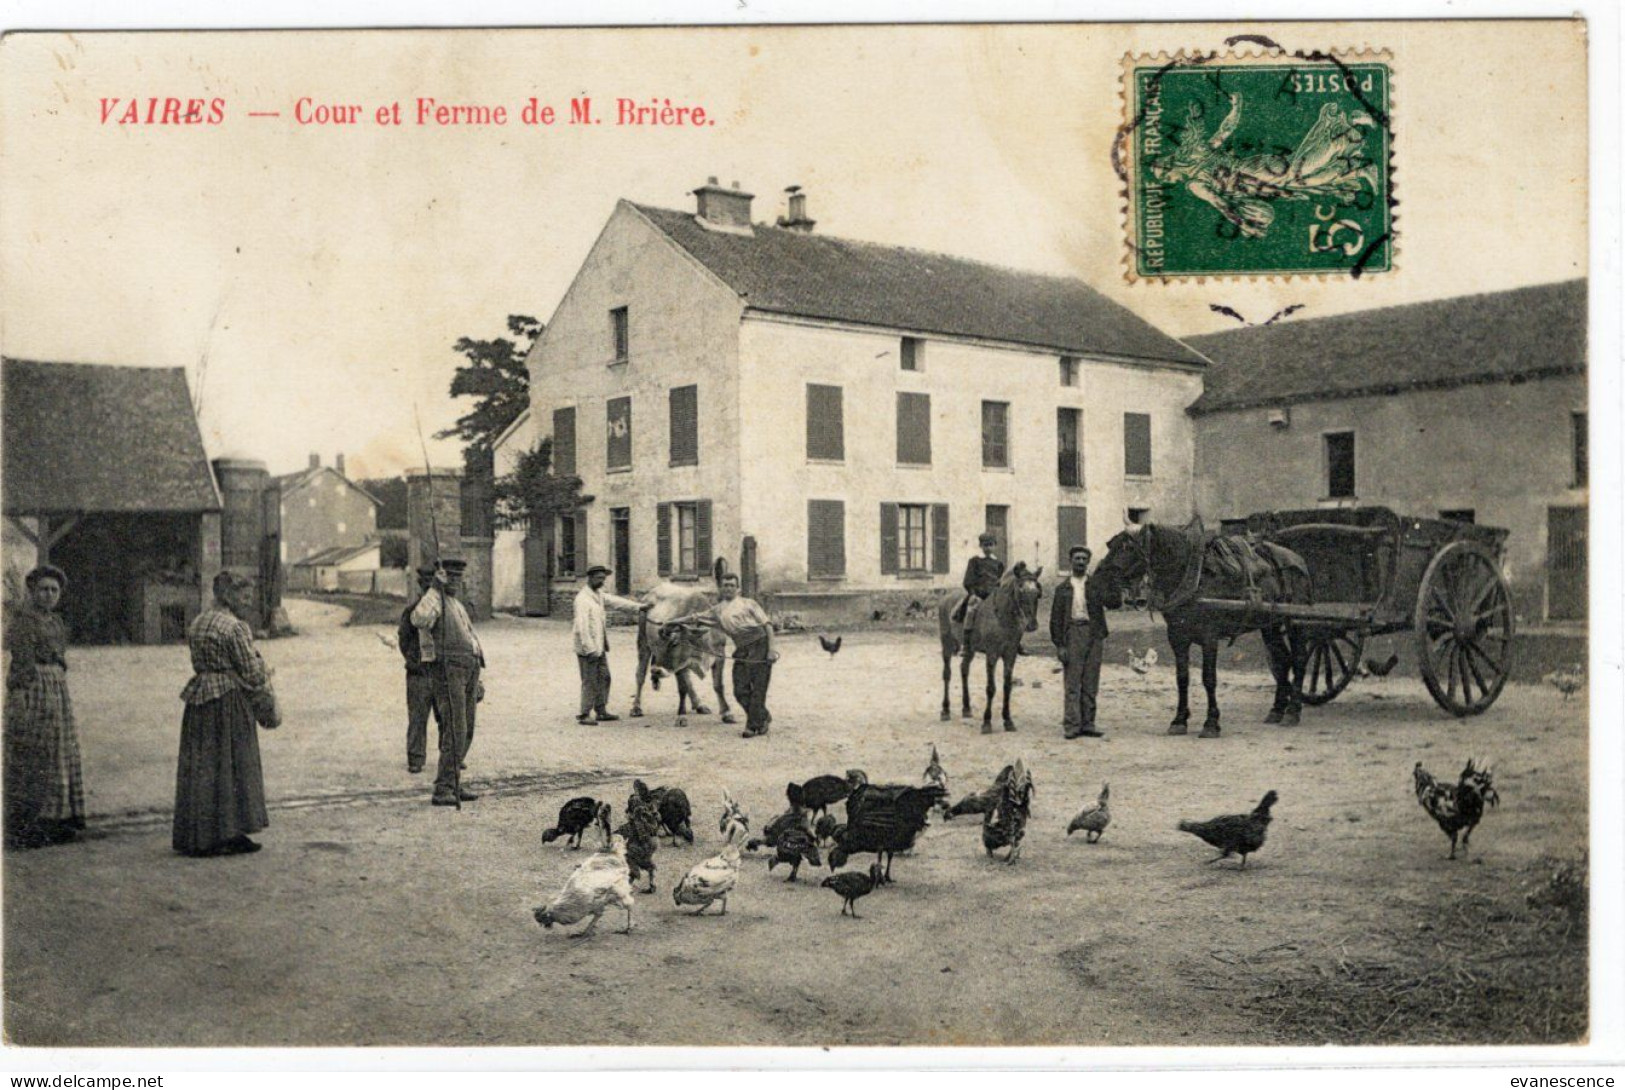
(592, 644)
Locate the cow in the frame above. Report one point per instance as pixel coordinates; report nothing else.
(685, 651)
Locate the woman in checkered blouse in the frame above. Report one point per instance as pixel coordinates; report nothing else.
(219, 789)
(45, 794)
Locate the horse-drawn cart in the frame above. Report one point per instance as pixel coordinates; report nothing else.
(1373, 573)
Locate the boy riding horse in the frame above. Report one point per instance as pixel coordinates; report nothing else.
(982, 575)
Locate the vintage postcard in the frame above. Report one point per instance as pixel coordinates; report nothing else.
(1065, 535)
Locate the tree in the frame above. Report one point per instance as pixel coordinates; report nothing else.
(494, 374)
(532, 495)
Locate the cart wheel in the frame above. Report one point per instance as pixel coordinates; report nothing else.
(1334, 657)
(1464, 629)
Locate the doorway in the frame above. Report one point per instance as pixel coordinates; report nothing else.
(1566, 556)
(620, 524)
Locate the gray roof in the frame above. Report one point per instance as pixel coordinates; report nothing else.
(93, 438)
(1526, 333)
(893, 287)
(292, 482)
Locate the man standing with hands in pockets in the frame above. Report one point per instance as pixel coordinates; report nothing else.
(1077, 625)
(592, 644)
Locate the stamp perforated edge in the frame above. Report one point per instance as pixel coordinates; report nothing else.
(1263, 50)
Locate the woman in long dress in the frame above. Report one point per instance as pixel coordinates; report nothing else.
(219, 789)
(45, 794)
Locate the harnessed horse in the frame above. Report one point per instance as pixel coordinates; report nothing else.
(1178, 563)
(996, 628)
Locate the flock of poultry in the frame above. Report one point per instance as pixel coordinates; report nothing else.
(881, 820)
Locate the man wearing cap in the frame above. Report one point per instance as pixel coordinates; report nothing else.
(747, 624)
(592, 644)
(1077, 625)
(420, 693)
(982, 575)
(452, 654)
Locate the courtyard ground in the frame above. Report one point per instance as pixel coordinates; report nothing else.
(372, 918)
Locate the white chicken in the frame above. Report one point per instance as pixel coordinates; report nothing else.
(601, 880)
(1142, 664)
(711, 881)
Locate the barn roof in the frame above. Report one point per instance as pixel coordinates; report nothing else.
(796, 273)
(336, 554)
(85, 437)
(1526, 333)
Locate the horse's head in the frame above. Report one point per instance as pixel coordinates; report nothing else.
(1028, 592)
(1124, 565)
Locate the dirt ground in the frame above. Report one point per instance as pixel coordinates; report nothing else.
(372, 918)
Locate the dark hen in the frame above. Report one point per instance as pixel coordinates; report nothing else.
(821, 792)
(576, 817)
(794, 847)
(824, 829)
(832, 646)
(883, 819)
(671, 804)
(851, 885)
(1458, 807)
(1235, 834)
(1383, 668)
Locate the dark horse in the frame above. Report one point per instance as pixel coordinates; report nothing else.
(996, 631)
(1183, 563)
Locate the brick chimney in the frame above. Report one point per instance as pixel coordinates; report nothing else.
(797, 219)
(338, 462)
(315, 460)
(723, 209)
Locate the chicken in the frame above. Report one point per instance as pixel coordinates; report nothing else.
(821, 792)
(732, 815)
(935, 773)
(712, 881)
(1093, 819)
(825, 829)
(1006, 825)
(883, 819)
(853, 884)
(980, 802)
(671, 804)
(797, 844)
(1235, 834)
(1567, 681)
(1458, 807)
(1142, 664)
(598, 881)
(832, 646)
(641, 830)
(576, 817)
(1381, 669)
(793, 818)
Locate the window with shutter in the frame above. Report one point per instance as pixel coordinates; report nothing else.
(564, 442)
(685, 426)
(939, 538)
(996, 435)
(702, 536)
(566, 537)
(826, 539)
(618, 429)
(581, 543)
(1072, 528)
(913, 429)
(620, 333)
(888, 539)
(1136, 445)
(826, 435)
(663, 538)
(1340, 465)
(912, 354)
(912, 538)
(685, 538)
(997, 521)
(1069, 370)
(1068, 423)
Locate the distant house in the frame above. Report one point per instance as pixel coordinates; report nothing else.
(106, 477)
(1471, 408)
(322, 510)
(508, 545)
(343, 567)
(841, 419)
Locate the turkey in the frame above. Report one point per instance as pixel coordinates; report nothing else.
(795, 846)
(883, 819)
(851, 885)
(671, 805)
(576, 817)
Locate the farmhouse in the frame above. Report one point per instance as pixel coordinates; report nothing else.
(841, 419)
(323, 510)
(1471, 408)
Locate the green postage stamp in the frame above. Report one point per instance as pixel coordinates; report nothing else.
(1274, 165)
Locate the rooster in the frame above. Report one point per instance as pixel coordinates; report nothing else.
(1458, 807)
(1007, 824)
(1093, 819)
(712, 881)
(642, 832)
(883, 819)
(576, 817)
(1142, 664)
(832, 646)
(1567, 681)
(1235, 834)
(732, 814)
(599, 881)
(979, 802)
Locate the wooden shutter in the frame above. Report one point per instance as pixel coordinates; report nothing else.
(564, 442)
(581, 542)
(913, 429)
(826, 538)
(996, 434)
(702, 536)
(685, 426)
(939, 537)
(1072, 528)
(663, 538)
(1136, 444)
(888, 539)
(826, 431)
